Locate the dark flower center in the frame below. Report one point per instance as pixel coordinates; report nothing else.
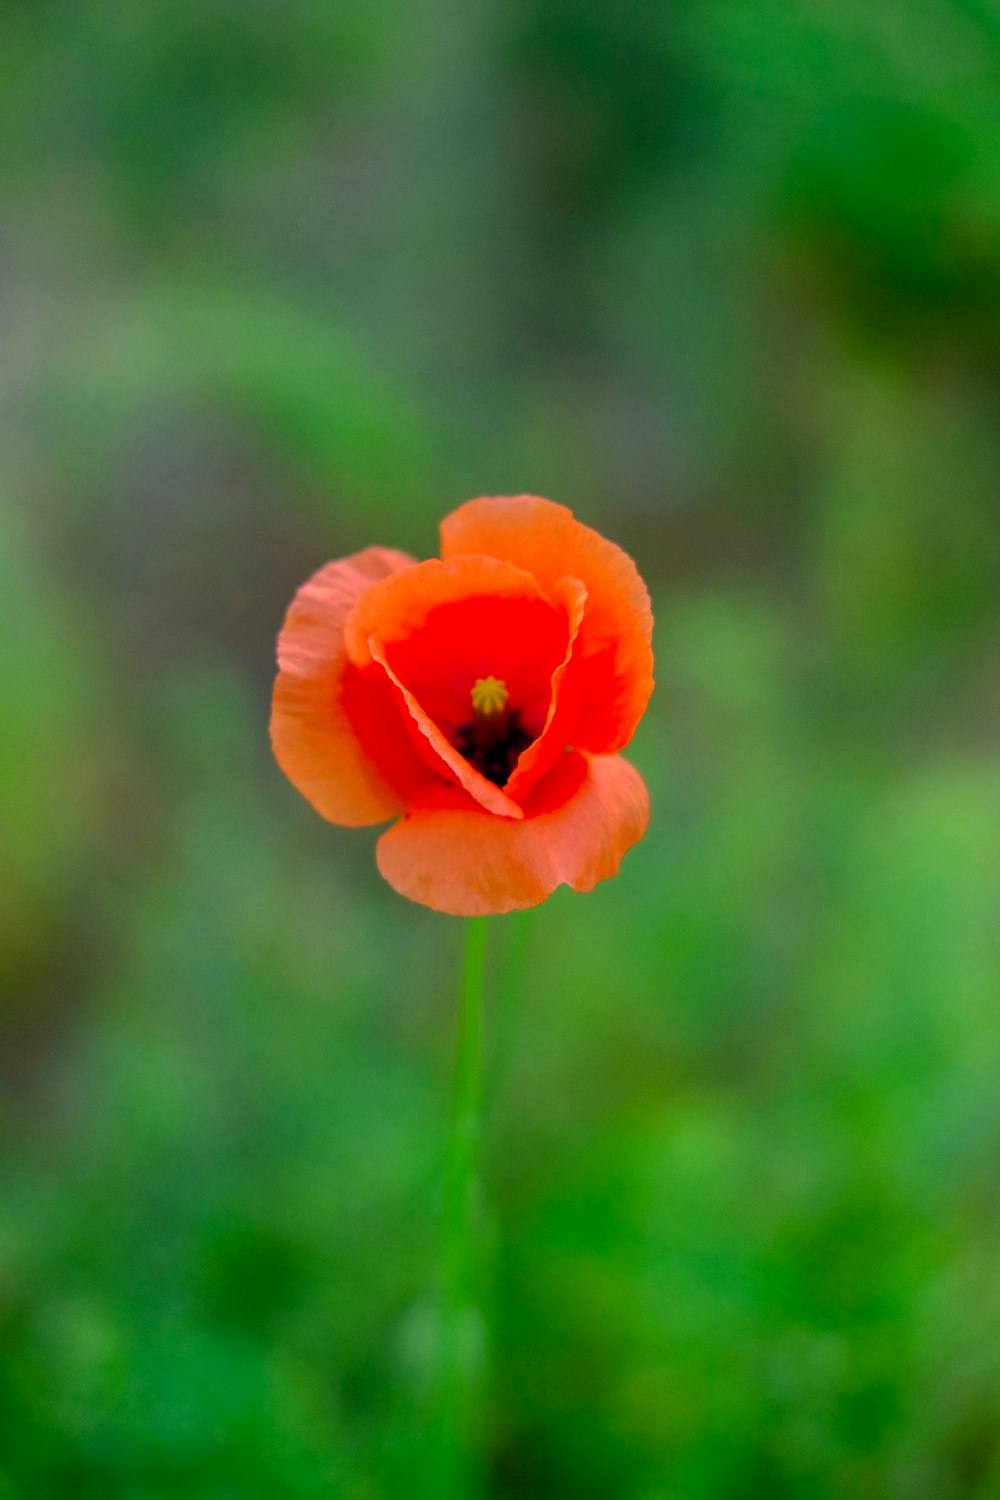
(493, 744)
(494, 737)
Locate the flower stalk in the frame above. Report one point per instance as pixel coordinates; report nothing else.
(462, 1324)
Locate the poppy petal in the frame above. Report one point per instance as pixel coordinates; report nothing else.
(616, 658)
(564, 706)
(445, 624)
(337, 732)
(578, 825)
(442, 757)
(441, 626)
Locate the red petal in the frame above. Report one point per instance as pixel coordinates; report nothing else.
(337, 734)
(441, 757)
(564, 704)
(578, 825)
(616, 658)
(445, 624)
(439, 627)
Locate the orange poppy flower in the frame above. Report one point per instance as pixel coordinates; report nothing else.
(480, 698)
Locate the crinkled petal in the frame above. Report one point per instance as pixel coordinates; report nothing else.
(336, 731)
(439, 627)
(560, 725)
(444, 624)
(441, 756)
(615, 645)
(578, 825)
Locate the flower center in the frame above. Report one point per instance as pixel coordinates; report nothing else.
(489, 697)
(494, 738)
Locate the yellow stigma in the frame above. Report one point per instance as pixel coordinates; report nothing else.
(489, 697)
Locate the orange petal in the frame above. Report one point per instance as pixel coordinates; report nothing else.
(445, 625)
(616, 657)
(337, 733)
(564, 704)
(439, 628)
(441, 756)
(578, 825)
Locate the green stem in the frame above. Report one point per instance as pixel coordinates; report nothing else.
(461, 1323)
(507, 997)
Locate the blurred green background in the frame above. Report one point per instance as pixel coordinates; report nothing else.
(279, 282)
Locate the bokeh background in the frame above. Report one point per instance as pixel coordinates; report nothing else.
(281, 281)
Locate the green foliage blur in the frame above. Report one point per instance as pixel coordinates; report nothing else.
(281, 281)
